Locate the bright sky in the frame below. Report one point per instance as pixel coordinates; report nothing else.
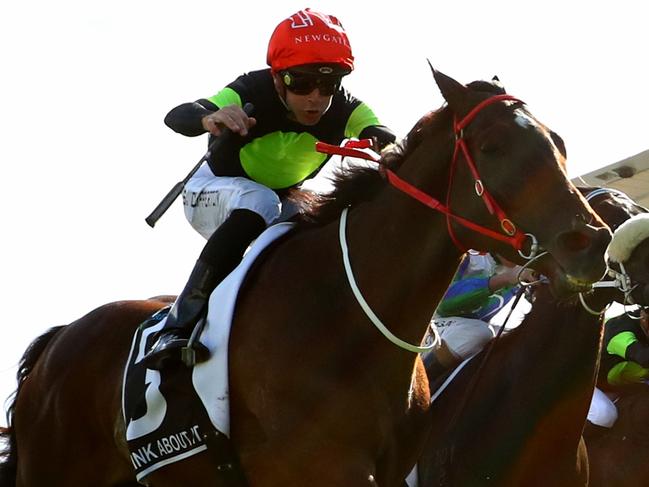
(85, 86)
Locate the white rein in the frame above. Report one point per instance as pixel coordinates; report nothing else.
(366, 307)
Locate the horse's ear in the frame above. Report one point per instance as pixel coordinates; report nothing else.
(454, 93)
(498, 83)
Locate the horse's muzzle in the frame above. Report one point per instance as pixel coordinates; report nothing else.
(578, 257)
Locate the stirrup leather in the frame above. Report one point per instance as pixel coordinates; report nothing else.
(188, 352)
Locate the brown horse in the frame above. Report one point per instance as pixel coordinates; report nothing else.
(525, 405)
(318, 396)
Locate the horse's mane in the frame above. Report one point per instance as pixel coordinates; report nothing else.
(493, 87)
(354, 185)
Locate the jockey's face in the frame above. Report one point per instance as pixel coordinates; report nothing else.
(306, 109)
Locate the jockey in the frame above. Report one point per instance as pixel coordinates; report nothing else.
(239, 191)
(482, 286)
(625, 354)
(624, 362)
(624, 359)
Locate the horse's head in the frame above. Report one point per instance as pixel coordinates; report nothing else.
(517, 167)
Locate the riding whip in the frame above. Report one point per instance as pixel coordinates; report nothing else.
(171, 196)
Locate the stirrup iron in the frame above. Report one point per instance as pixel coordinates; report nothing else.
(187, 353)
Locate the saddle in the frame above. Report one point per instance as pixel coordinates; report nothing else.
(174, 414)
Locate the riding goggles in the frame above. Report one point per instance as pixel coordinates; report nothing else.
(303, 83)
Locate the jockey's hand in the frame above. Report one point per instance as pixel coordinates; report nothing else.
(506, 278)
(232, 117)
(527, 275)
(512, 276)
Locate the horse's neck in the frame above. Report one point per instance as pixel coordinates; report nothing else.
(548, 363)
(402, 256)
(569, 322)
(567, 338)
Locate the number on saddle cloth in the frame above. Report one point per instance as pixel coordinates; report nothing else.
(165, 418)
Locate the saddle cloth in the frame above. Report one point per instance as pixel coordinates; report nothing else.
(168, 412)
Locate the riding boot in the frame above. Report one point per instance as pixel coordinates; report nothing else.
(434, 368)
(221, 255)
(439, 361)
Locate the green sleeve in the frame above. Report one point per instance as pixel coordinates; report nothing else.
(620, 342)
(626, 373)
(465, 303)
(361, 118)
(226, 97)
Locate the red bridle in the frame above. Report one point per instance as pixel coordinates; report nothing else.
(510, 234)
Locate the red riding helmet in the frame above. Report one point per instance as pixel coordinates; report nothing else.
(309, 37)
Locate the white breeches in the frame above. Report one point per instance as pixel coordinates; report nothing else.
(603, 411)
(209, 200)
(464, 336)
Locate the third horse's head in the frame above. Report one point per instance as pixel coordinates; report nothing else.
(630, 249)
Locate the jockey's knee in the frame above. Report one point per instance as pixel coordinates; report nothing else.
(603, 411)
(465, 336)
(208, 203)
(442, 355)
(262, 201)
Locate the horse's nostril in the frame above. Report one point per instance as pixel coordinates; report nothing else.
(574, 241)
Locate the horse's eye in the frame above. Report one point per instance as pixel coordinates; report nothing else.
(490, 146)
(493, 140)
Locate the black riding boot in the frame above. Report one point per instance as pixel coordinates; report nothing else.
(434, 368)
(438, 362)
(221, 255)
